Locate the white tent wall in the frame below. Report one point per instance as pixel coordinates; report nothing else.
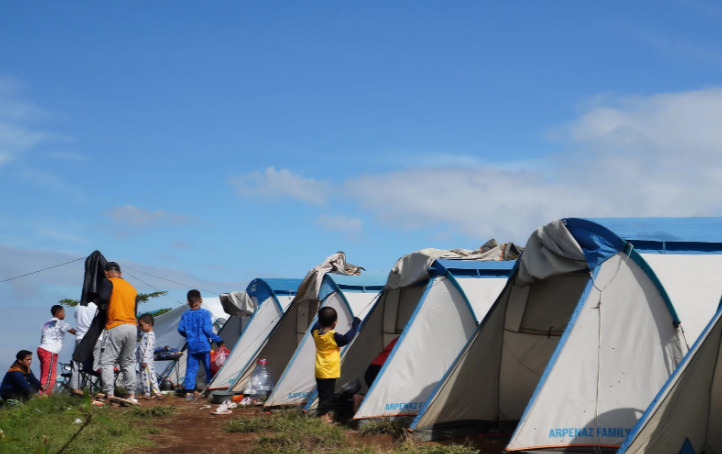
(481, 293)
(297, 383)
(693, 283)
(689, 407)
(254, 336)
(635, 333)
(440, 326)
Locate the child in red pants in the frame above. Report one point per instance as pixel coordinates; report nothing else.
(51, 343)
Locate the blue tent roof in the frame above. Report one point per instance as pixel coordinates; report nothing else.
(652, 235)
(281, 286)
(695, 230)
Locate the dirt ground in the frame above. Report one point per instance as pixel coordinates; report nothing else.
(194, 430)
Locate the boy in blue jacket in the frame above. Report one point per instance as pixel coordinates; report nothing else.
(20, 383)
(196, 326)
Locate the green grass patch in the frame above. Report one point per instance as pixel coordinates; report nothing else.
(293, 432)
(396, 429)
(47, 417)
(152, 412)
(289, 431)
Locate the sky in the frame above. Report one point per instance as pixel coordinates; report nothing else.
(210, 144)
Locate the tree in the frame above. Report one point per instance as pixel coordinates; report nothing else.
(141, 298)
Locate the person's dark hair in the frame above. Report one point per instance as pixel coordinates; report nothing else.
(147, 318)
(55, 310)
(194, 296)
(327, 316)
(22, 354)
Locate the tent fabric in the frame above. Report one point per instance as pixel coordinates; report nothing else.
(238, 304)
(335, 264)
(272, 297)
(434, 318)
(559, 353)
(414, 267)
(686, 415)
(351, 296)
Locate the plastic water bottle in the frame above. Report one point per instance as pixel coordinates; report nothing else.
(262, 381)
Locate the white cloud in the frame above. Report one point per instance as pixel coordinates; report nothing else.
(658, 155)
(276, 184)
(16, 136)
(340, 223)
(133, 216)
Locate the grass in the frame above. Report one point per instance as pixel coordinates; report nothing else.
(292, 432)
(152, 412)
(396, 429)
(46, 417)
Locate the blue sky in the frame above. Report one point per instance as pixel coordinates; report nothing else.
(216, 143)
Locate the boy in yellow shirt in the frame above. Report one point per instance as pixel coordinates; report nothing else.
(328, 356)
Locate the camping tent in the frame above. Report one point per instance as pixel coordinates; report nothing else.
(271, 297)
(351, 296)
(584, 333)
(686, 415)
(298, 318)
(434, 317)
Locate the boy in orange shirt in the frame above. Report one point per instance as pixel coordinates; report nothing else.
(328, 356)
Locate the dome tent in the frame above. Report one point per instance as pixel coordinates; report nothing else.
(350, 296)
(585, 315)
(271, 297)
(432, 303)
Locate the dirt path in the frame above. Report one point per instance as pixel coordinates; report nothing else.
(194, 430)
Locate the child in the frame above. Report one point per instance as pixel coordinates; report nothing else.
(144, 357)
(328, 356)
(196, 326)
(20, 383)
(51, 343)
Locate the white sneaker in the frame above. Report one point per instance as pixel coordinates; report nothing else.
(134, 400)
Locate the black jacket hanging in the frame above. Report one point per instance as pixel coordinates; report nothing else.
(94, 276)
